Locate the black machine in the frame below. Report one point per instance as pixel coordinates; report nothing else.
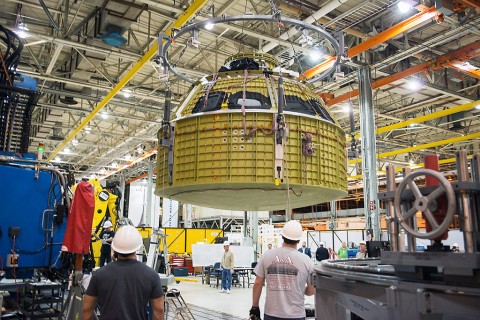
(375, 248)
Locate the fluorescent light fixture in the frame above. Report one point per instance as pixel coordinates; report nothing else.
(209, 25)
(74, 142)
(104, 115)
(127, 93)
(404, 7)
(67, 150)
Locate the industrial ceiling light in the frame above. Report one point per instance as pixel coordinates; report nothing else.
(315, 54)
(404, 6)
(413, 84)
(67, 150)
(58, 159)
(74, 142)
(347, 108)
(209, 25)
(88, 129)
(104, 115)
(127, 93)
(22, 30)
(477, 106)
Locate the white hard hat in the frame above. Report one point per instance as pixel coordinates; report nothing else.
(226, 243)
(292, 230)
(455, 245)
(107, 224)
(363, 242)
(127, 240)
(322, 244)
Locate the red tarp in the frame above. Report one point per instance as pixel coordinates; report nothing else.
(79, 226)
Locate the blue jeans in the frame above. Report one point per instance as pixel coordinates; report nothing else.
(267, 317)
(226, 279)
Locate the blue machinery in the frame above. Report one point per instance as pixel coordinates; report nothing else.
(33, 216)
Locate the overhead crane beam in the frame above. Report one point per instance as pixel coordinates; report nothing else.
(471, 3)
(182, 19)
(422, 147)
(420, 165)
(398, 29)
(464, 53)
(425, 118)
(433, 115)
(466, 68)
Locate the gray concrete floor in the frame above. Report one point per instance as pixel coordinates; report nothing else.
(206, 302)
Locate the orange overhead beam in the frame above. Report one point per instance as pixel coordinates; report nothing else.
(456, 56)
(139, 177)
(379, 83)
(466, 68)
(398, 29)
(471, 3)
(394, 31)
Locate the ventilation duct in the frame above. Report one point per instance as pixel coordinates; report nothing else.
(114, 37)
(456, 120)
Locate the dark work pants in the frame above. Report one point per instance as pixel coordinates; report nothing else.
(105, 258)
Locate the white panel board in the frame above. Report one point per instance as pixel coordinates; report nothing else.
(170, 213)
(207, 254)
(137, 206)
(137, 202)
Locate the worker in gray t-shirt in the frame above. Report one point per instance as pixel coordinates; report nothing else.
(123, 288)
(287, 274)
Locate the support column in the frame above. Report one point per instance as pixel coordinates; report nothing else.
(333, 211)
(148, 218)
(245, 221)
(254, 233)
(122, 200)
(369, 161)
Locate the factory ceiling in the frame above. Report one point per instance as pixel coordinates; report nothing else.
(424, 60)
